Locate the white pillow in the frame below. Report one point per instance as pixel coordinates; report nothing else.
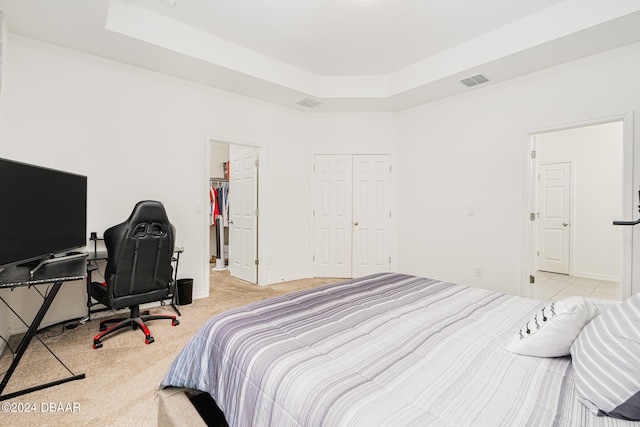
(555, 327)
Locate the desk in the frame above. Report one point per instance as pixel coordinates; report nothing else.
(56, 273)
(97, 255)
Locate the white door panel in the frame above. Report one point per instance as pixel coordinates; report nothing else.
(332, 216)
(242, 213)
(371, 219)
(555, 199)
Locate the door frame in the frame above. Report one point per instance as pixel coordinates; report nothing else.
(261, 201)
(630, 198)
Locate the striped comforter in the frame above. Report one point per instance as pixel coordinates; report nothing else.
(383, 350)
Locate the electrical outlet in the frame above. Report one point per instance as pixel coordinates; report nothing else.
(471, 211)
(478, 270)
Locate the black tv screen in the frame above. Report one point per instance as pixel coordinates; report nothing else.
(44, 212)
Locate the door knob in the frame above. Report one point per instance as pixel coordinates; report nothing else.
(355, 223)
(230, 221)
(564, 224)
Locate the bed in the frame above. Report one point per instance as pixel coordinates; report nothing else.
(387, 349)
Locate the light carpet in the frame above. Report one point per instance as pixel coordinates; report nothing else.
(123, 375)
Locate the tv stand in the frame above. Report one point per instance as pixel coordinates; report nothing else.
(69, 256)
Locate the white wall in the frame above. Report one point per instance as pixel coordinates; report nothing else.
(219, 155)
(595, 154)
(289, 183)
(143, 135)
(471, 151)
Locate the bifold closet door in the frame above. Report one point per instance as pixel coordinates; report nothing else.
(352, 215)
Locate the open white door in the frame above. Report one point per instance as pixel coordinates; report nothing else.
(243, 214)
(554, 199)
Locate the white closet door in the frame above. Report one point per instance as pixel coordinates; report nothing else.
(332, 216)
(371, 214)
(352, 222)
(243, 220)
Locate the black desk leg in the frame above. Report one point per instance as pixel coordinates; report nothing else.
(176, 309)
(174, 297)
(35, 325)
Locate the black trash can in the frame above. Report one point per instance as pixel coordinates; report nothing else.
(185, 289)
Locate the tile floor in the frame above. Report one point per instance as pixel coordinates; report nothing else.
(551, 287)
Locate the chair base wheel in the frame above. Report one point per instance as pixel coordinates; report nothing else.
(136, 321)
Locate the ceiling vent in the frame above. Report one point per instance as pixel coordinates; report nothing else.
(309, 102)
(474, 81)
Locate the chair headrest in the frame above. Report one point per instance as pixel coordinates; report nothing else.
(148, 211)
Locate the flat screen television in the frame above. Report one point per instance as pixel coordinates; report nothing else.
(43, 212)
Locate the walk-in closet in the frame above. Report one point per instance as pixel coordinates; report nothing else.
(219, 206)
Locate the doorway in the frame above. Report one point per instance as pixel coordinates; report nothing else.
(233, 188)
(578, 184)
